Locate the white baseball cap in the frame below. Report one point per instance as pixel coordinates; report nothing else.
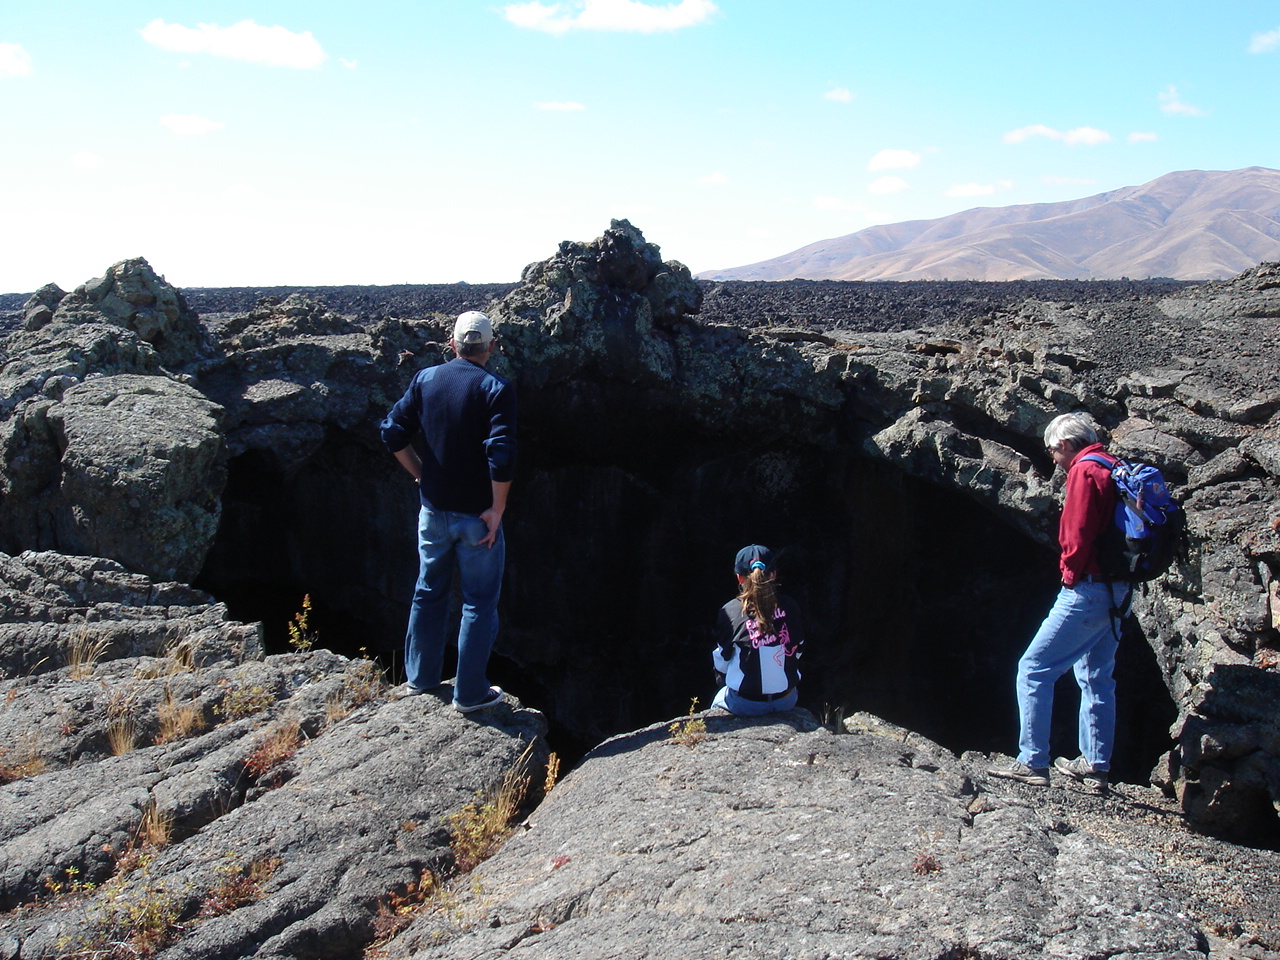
(473, 327)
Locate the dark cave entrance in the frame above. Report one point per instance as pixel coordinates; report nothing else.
(918, 602)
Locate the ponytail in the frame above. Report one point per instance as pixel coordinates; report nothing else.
(758, 597)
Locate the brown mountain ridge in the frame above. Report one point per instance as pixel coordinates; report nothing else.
(1188, 225)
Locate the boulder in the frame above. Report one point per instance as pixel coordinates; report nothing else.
(133, 296)
(141, 472)
(107, 451)
(721, 837)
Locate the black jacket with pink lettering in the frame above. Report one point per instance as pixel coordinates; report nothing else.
(756, 664)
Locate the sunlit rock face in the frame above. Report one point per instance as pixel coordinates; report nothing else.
(901, 471)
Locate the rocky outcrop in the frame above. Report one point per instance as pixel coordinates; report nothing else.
(776, 838)
(963, 408)
(183, 792)
(165, 776)
(107, 451)
(133, 297)
(656, 444)
(288, 861)
(51, 603)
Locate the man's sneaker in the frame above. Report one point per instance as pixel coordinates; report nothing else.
(1036, 777)
(495, 697)
(1082, 770)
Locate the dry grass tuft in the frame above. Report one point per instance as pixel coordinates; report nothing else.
(21, 762)
(244, 701)
(83, 650)
(552, 774)
(180, 651)
(477, 830)
(363, 683)
(178, 721)
(397, 909)
(238, 885)
(122, 735)
(155, 829)
(276, 746)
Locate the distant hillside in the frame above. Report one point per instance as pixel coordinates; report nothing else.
(1190, 225)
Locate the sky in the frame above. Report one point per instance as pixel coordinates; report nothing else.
(252, 142)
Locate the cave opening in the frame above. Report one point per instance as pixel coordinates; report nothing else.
(918, 602)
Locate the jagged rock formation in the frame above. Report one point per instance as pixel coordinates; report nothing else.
(288, 396)
(107, 451)
(654, 445)
(185, 789)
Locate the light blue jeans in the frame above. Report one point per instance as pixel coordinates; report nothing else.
(447, 540)
(1077, 634)
(742, 707)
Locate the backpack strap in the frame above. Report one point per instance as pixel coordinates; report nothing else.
(1099, 458)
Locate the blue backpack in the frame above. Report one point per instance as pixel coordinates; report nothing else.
(1149, 528)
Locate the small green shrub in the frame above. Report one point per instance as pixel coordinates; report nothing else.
(689, 732)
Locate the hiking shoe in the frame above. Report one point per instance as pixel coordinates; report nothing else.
(495, 697)
(1082, 770)
(1036, 777)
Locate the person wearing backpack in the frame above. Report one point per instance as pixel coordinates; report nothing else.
(1079, 632)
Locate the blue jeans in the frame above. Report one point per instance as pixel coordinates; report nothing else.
(1077, 634)
(742, 707)
(446, 540)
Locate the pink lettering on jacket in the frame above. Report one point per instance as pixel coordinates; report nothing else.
(781, 638)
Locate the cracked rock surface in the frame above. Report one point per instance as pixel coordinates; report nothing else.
(776, 838)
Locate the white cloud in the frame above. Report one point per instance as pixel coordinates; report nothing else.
(1089, 136)
(1055, 181)
(1140, 137)
(349, 64)
(838, 94)
(190, 124)
(1035, 130)
(886, 185)
(714, 179)
(87, 161)
(1265, 42)
(627, 16)
(894, 160)
(560, 106)
(14, 61)
(245, 40)
(978, 189)
(1171, 102)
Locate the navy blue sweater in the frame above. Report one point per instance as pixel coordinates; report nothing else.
(465, 419)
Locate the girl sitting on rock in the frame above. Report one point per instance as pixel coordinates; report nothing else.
(759, 636)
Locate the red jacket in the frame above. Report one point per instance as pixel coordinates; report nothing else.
(1090, 505)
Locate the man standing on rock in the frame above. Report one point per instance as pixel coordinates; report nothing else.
(465, 419)
(1082, 628)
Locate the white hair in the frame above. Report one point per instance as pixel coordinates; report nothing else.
(1076, 428)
